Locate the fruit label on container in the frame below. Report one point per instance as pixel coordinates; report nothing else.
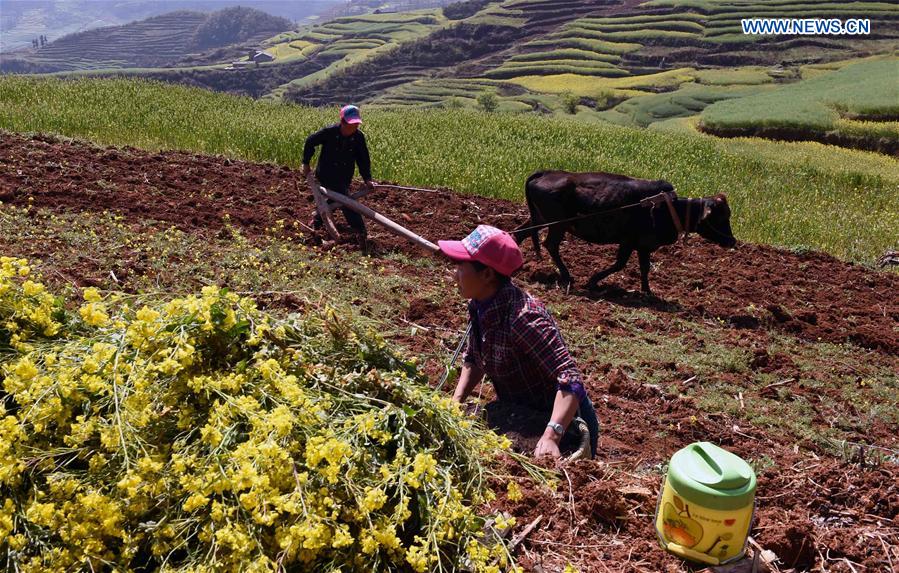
(718, 534)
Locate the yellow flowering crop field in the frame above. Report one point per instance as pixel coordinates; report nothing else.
(202, 434)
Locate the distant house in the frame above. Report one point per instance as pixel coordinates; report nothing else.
(262, 56)
(254, 58)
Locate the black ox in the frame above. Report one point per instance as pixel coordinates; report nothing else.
(605, 208)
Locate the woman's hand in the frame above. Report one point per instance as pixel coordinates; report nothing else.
(470, 377)
(548, 445)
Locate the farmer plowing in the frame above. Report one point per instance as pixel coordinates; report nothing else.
(343, 148)
(512, 340)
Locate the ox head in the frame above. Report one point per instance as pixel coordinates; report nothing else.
(714, 224)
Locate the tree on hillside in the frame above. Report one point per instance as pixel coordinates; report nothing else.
(462, 10)
(570, 102)
(234, 25)
(488, 101)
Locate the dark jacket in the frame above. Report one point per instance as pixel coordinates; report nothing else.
(338, 158)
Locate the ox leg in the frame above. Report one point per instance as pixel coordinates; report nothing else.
(553, 240)
(624, 254)
(644, 270)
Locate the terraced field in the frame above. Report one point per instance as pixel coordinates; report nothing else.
(629, 62)
(146, 43)
(461, 93)
(687, 101)
(632, 55)
(856, 106)
(456, 50)
(602, 54)
(343, 42)
(722, 19)
(680, 32)
(154, 42)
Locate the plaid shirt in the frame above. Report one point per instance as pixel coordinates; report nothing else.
(518, 345)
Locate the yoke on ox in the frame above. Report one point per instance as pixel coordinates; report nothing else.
(605, 208)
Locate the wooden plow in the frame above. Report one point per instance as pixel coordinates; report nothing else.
(326, 201)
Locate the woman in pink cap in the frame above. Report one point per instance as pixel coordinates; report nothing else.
(514, 341)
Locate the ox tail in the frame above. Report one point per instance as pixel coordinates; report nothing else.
(535, 220)
(526, 230)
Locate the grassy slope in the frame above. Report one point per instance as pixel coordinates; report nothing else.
(862, 90)
(159, 38)
(784, 197)
(341, 43)
(691, 98)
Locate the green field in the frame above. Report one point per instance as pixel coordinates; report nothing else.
(688, 100)
(344, 42)
(589, 86)
(564, 54)
(866, 90)
(782, 197)
(457, 93)
(152, 41)
(711, 27)
(581, 67)
(372, 28)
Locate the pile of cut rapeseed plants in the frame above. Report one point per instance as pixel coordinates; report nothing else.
(202, 434)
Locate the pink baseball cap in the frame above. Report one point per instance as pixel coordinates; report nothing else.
(487, 245)
(350, 114)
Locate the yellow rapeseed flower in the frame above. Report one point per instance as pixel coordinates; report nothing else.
(91, 294)
(513, 492)
(94, 314)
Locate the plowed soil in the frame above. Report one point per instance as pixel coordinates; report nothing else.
(816, 512)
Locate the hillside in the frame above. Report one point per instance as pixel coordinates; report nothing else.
(154, 42)
(465, 40)
(783, 350)
(657, 63)
(786, 193)
(21, 21)
(611, 39)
